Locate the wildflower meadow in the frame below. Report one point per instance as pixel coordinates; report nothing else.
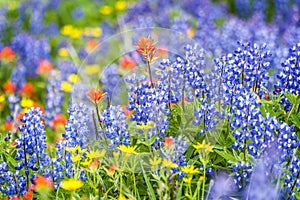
(150, 99)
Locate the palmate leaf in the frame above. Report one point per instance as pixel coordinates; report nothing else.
(296, 120)
(227, 156)
(294, 99)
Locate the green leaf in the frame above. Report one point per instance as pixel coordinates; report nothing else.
(179, 192)
(296, 120)
(226, 156)
(149, 186)
(152, 140)
(294, 99)
(10, 159)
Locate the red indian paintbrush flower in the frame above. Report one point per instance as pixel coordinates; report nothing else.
(9, 87)
(146, 47)
(7, 53)
(168, 142)
(95, 94)
(43, 183)
(59, 120)
(127, 63)
(45, 67)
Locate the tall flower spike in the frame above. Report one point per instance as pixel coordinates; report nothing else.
(146, 47)
(32, 143)
(95, 95)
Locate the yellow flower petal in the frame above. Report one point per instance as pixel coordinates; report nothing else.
(128, 149)
(105, 10)
(63, 52)
(76, 33)
(2, 98)
(189, 169)
(120, 5)
(97, 32)
(74, 78)
(206, 147)
(155, 161)
(26, 103)
(92, 69)
(67, 30)
(187, 179)
(169, 164)
(71, 184)
(66, 86)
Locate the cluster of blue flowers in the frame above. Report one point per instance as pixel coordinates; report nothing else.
(288, 79)
(31, 156)
(55, 97)
(150, 105)
(115, 126)
(111, 83)
(75, 135)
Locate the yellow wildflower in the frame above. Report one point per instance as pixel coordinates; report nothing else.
(63, 52)
(77, 148)
(122, 197)
(2, 98)
(201, 178)
(76, 33)
(190, 169)
(187, 179)
(128, 149)
(66, 86)
(206, 147)
(71, 184)
(146, 126)
(98, 154)
(105, 10)
(76, 158)
(120, 5)
(74, 78)
(67, 30)
(169, 164)
(26, 103)
(92, 69)
(155, 161)
(97, 32)
(87, 161)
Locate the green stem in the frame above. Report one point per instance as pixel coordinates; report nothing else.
(150, 74)
(204, 177)
(287, 119)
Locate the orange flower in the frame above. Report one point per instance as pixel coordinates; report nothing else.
(91, 44)
(20, 116)
(9, 126)
(95, 94)
(14, 143)
(146, 47)
(27, 90)
(168, 142)
(112, 169)
(59, 119)
(94, 165)
(127, 62)
(9, 87)
(28, 195)
(42, 183)
(7, 53)
(45, 67)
